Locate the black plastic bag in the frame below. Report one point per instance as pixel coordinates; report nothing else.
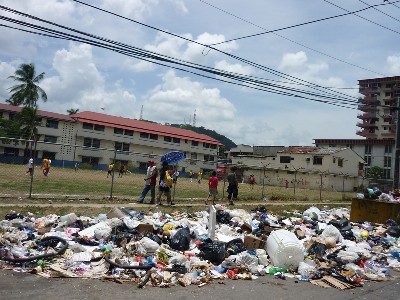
(235, 246)
(223, 217)
(213, 251)
(154, 237)
(181, 239)
(393, 231)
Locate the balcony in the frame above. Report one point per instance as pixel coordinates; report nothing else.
(368, 90)
(389, 133)
(366, 125)
(368, 99)
(367, 108)
(368, 116)
(367, 133)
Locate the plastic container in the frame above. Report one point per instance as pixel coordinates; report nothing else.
(284, 249)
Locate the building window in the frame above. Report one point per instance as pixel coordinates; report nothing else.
(386, 173)
(193, 156)
(87, 126)
(49, 155)
(388, 94)
(176, 140)
(11, 116)
(213, 146)
(317, 160)
(118, 131)
(8, 151)
(153, 136)
(367, 160)
(144, 135)
(284, 159)
(92, 143)
(167, 139)
(51, 123)
(94, 161)
(208, 157)
(368, 149)
(128, 132)
(122, 147)
(387, 162)
(98, 127)
(340, 162)
(195, 143)
(206, 145)
(388, 149)
(50, 139)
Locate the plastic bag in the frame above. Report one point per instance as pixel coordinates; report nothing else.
(149, 245)
(235, 246)
(181, 239)
(214, 251)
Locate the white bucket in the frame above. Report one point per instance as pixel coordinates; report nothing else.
(284, 249)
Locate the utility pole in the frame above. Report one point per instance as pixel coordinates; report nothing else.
(397, 151)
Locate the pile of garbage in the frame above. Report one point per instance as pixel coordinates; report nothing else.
(157, 249)
(376, 194)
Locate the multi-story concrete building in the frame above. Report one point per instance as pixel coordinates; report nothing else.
(98, 139)
(378, 105)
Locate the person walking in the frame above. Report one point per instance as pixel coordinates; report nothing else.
(199, 176)
(212, 187)
(30, 167)
(110, 169)
(252, 180)
(150, 185)
(122, 170)
(164, 186)
(233, 187)
(191, 174)
(45, 166)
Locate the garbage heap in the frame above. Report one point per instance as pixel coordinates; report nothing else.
(157, 249)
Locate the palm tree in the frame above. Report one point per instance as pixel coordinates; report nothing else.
(28, 121)
(72, 111)
(27, 92)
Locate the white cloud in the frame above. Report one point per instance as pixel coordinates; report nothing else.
(393, 64)
(6, 70)
(176, 99)
(234, 68)
(79, 84)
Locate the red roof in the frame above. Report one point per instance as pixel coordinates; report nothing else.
(142, 126)
(40, 113)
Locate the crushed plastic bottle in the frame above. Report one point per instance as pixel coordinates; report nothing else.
(275, 270)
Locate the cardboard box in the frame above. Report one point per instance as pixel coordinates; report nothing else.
(246, 227)
(252, 243)
(145, 228)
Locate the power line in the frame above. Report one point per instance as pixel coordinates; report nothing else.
(247, 81)
(381, 11)
(377, 24)
(305, 23)
(292, 41)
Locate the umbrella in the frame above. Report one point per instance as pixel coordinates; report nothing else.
(172, 157)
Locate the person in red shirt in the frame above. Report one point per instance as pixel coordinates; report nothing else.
(212, 187)
(252, 181)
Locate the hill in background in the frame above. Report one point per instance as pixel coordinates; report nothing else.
(228, 143)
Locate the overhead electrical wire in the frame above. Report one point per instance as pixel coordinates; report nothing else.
(382, 12)
(368, 20)
(304, 23)
(292, 41)
(274, 72)
(247, 81)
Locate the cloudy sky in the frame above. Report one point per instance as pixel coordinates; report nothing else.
(317, 47)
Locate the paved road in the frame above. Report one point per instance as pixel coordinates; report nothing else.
(22, 286)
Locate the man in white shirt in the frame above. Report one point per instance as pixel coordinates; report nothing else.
(151, 182)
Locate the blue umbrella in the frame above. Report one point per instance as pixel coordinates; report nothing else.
(172, 157)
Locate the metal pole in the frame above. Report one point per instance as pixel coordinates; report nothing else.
(397, 152)
(294, 183)
(320, 189)
(112, 174)
(33, 167)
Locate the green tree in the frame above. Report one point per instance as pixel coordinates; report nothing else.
(375, 172)
(72, 111)
(27, 91)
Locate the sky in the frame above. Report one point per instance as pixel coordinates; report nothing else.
(314, 46)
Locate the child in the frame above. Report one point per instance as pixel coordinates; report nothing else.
(212, 187)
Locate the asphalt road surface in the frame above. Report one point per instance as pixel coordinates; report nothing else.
(21, 286)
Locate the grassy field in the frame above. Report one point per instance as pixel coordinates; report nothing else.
(85, 187)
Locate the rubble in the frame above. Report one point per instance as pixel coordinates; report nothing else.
(320, 246)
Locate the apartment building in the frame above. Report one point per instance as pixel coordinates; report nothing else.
(378, 106)
(98, 139)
